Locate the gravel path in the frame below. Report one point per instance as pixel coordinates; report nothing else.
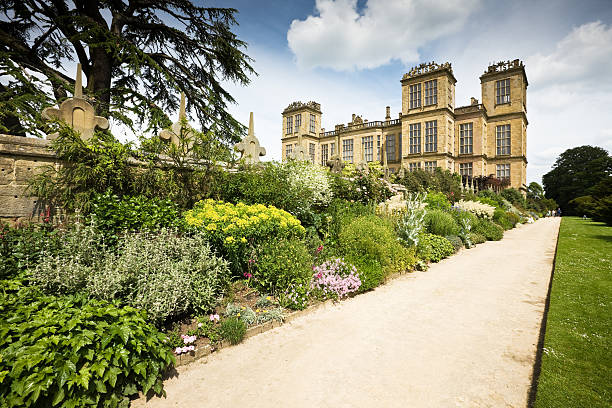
(462, 334)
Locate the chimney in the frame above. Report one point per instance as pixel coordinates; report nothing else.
(474, 101)
(388, 115)
(353, 118)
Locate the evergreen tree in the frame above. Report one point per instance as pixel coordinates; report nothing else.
(137, 56)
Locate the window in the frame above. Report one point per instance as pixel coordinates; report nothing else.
(502, 136)
(415, 96)
(465, 169)
(347, 150)
(503, 171)
(431, 92)
(288, 150)
(311, 151)
(367, 144)
(466, 139)
(312, 123)
(399, 146)
(289, 125)
(415, 138)
(390, 148)
(332, 149)
(298, 122)
(324, 156)
(431, 136)
(430, 166)
(414, 166)
(378, 148)
(502, 91)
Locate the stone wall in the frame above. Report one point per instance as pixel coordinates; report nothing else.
(20, 159)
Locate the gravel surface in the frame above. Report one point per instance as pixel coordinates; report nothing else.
(462, 334)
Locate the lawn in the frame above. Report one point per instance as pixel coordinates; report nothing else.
(576, 361)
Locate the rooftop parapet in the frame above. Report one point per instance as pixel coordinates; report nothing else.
(293, 106)
(428, 68)
(504, 66)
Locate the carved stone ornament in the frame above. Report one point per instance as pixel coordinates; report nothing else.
(249, 146)
(335, 164)
(76, 112)
(173, 134)
(299, 154)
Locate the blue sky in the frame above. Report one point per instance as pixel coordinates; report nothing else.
(349, 56)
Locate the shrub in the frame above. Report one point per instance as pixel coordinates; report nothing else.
(335, 279)
(441, 223)
(360, 187)
(340, 213)
(434, 248)
(491, 195)
(488, 229)
(479, 209)
(312, 178)
(488, 201)
(281, 263)
(21, 248)
(501, 218)
(440, 180)
(244, 313)
(455, 241)
(73, 351)
(514, 196)
(233, 330)
(437, 201)
(165, 274)
(477, 238)
(113, 215)
(514, 218)
(371, 238)
(234, 229)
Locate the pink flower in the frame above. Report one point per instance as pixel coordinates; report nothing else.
(248, 275)
(319, 249)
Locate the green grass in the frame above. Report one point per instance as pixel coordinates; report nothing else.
(576, 366)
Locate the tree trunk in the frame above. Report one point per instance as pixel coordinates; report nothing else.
(99, 80)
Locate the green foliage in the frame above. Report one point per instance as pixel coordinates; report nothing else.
(434, 248)
(234, 230)
(488, 229)
(233, 330)
(490, 197)
(73, 351)
(281, 263)
(514, 196)
(504, 219)
(21, 247)
(439, 180)
(576, 362)
(165, 274)
(133, 67)
(441, 223)
(113, 215)
(598, 204)
(369, 241)
(340, 213)
(574, 172)
(437, 201)
(357, 186)
(455, 241)
(476, 238)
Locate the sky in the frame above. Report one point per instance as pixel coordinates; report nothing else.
(349, 56)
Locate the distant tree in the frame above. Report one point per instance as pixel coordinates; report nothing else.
(514, 196)
(598, 203)
(535, 191)
(136, 55)
(574, 172)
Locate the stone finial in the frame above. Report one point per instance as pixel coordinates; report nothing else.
(76, 112)
(473, 101)
(173, 134)
(362, 165)
(388, 113)
(249, 146)
(335, 164)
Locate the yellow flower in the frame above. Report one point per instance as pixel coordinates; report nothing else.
(238, 315)
(268, 298)
(211, 227)
(243, 239)
(229, 239)
(257, 311)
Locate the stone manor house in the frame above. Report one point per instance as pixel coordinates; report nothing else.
(481, 139)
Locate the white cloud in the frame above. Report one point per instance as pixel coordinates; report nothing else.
(343, 39)
(583, 57)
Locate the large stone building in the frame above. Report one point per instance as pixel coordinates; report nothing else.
(475, 140)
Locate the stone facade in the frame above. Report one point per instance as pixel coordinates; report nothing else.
(480, 139)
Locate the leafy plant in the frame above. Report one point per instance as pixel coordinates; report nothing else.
(441, 223)
(477, 238)
(411, 223)
(438, 201)
(281, 263)
(503, 219)
(165, 274)
(233, 330)
(22, 247)
(244, 313)
(76, 351)
(488, 229)
(434, 248)
(455, 241)
(296, 296)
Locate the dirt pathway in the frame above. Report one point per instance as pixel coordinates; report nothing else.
(462, 334)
